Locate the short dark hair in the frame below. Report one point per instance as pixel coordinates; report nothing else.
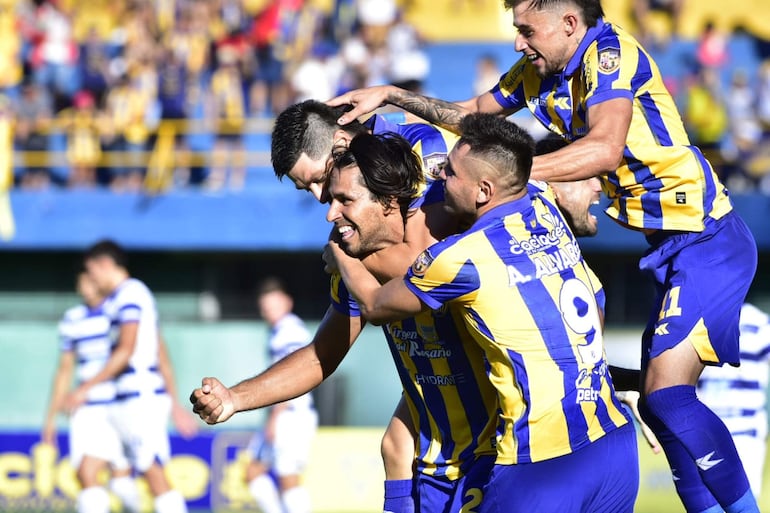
(591, 9)
(389, 167)
(503, 144)
(107, 248)
(271, 284)
(306, 127)
(549, 144)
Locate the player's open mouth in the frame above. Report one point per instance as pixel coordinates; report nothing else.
(345, 232)
(533, 57)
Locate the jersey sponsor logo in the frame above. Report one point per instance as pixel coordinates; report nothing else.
(414, 349)
(440, 380)
(537, 101)
(422, 263)
(537, 243)
(609, 60)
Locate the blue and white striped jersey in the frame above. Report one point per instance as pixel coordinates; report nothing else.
(739, 394)
(288, 335)
(86, 332)
(132, 302)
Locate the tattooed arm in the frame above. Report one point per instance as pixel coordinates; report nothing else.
(438, 112)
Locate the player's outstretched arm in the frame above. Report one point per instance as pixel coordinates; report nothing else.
(185, 424)
(442, 113)
(294, 375)
(61, 383)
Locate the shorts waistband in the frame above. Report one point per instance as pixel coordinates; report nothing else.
(130, 395)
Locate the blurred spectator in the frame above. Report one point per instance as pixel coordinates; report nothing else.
(487, 74)
(54, 55)
(642, 11)
(93, 65)
(33, 113)
(229, 113)
(704, 112)
(126, 133)
(744, 131)
(763, 96)
(712, 47)
(408, 63)
(272, 34)
(82, 125)
(11, 71)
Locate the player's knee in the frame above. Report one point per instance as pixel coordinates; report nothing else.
(667, 405)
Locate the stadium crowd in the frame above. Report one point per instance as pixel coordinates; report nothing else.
(135, 94)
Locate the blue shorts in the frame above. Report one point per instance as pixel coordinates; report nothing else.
(602, 477)
(702, 279)
(440, 495)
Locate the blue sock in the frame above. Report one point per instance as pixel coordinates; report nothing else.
(398, 496)
(689, 486)
(706, 442)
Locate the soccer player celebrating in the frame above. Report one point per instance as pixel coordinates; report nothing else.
(519, 284)
(592, 83)
(302, 141)
(451, 404)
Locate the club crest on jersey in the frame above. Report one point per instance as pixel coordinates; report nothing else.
(422, 263)
(432, 163)
(609, 60)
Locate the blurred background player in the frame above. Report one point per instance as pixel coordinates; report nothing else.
(283, 447)
(739, 394)
(85, 344)
(145, 390)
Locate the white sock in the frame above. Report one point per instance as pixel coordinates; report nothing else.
(296, 500)
(93, 499)
(170, 502)
(264, 491)
(125, 489)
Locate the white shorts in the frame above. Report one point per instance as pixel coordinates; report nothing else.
(142, 425)
(751, 450)
(92, 434)
(289, 453)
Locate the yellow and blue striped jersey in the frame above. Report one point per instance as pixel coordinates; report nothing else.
(453, 405)
(431, 143)
(519, 283)
(663, 181)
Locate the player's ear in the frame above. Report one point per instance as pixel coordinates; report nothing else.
(570, 22)
(342, 138)
(485, 191)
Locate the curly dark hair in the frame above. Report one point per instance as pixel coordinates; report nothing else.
(389, 167)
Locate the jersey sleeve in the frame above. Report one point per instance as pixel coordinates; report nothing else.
(341, 299)
(128, 304)
(447, 276)
(66, 336)
(509, 91)
(611, 70)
